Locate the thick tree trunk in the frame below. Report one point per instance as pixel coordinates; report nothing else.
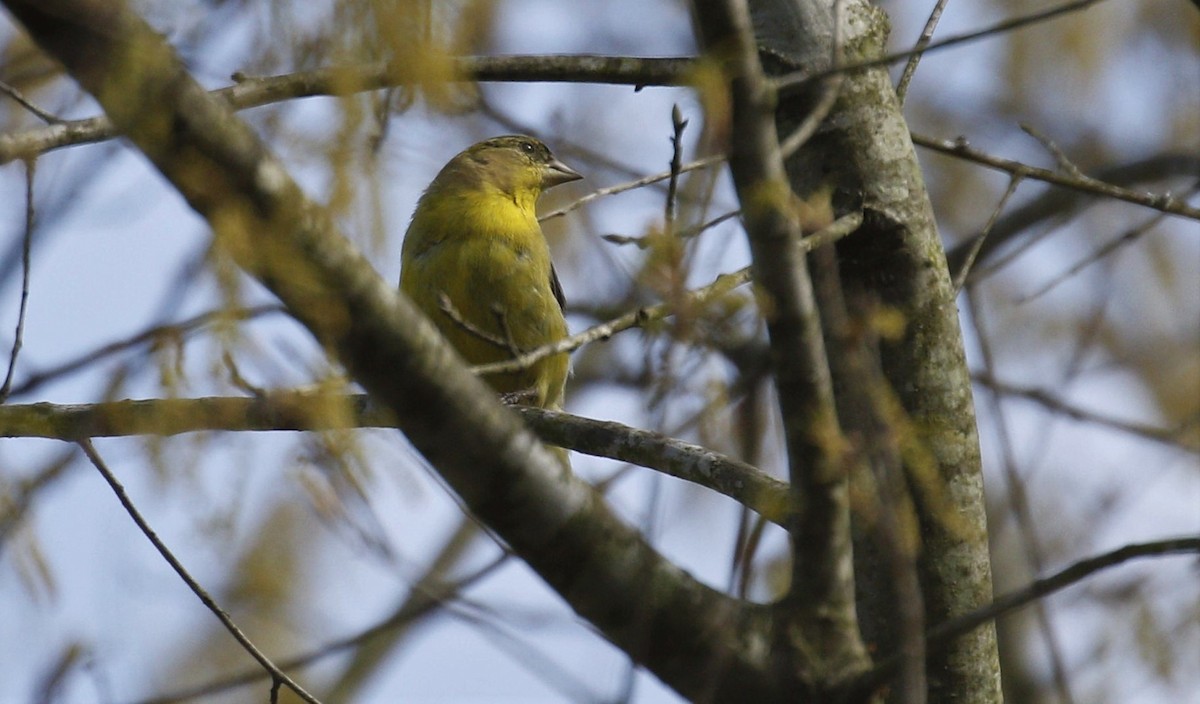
(896, 260)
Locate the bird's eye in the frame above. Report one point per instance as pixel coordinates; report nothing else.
(527, 147)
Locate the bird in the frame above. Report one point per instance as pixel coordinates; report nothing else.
(475, 261)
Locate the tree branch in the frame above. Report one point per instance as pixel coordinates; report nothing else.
(308, 411)
(26, 245)
(429, 593)
(1178, 437)
(349, 80)
(1084, 184)
(944, 634)
(804, 76)
(895, 265)
(278, 676)
(250, 92)
(663, 618)
(741, 482)
(1110, 182)
(821, 598)
(149, 336)
(693, 299)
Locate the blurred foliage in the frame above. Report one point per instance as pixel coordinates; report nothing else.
(305, 539)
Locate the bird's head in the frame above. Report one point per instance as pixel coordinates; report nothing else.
(516, 165)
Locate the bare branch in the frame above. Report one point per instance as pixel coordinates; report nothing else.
(630, 185)
(1059, 203)
(1175, 437)
(278, 676)
(26, 245)
(428, 594)
(739, 481)
(19, 97)
(1127, 237)
(820, 602)
(470, 328)
(696, 298)
(250, 92)
(346, 80)
(147, 336)
(960, 278)
(552, 519)
(799, 78)
(308, 411)
(1077, 572)
(256, 92)
(722, 285)
(910, 68)
(962, 149)
(678, 124)
(945, 634)
(685, 233)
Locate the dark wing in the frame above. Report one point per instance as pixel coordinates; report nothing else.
(556, 287)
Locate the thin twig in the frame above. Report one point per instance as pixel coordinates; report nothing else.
(1060, 157)
(431, 597)
(960, 278)
(962, 149)
(944, 634)
(686, 233)
(798, 78)
(829, 94)
(746, 484)
(1175, 437)
(630, 185)
(677, 124)
(1127, 237)
(151, 334)
(603, 331)
(636, 318)
(237, 379)
(43, 115)
(1054, 204)
(255, 91)
(808, 127)
(277, 676)
(1062, 579)
(910, 68)
(451, 312)
(26, 247)
(501, 315)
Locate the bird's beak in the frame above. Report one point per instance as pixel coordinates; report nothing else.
(557, 172)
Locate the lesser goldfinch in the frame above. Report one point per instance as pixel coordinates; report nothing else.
(476, 262)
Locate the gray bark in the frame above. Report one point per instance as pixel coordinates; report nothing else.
(864, 151)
